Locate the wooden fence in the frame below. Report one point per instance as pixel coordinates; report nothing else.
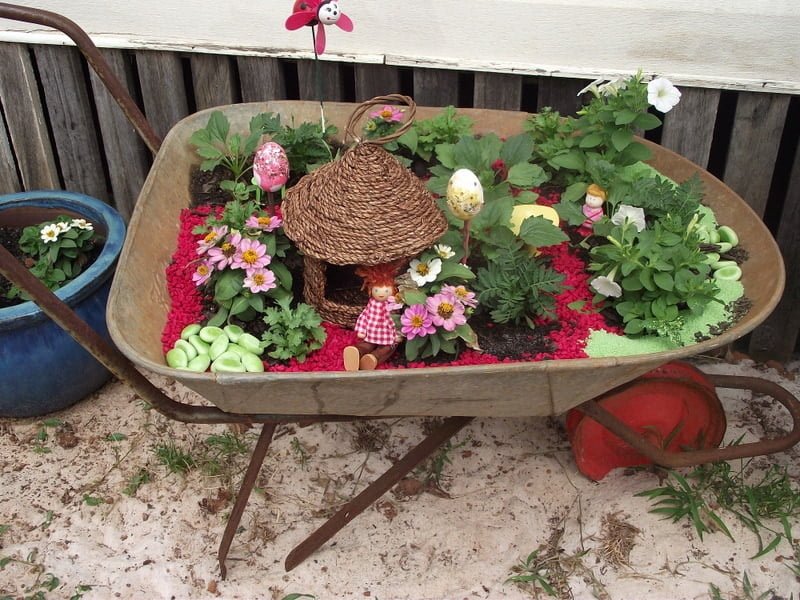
(59, 128)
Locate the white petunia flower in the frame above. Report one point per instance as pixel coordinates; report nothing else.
(606, 286)
(662, 94)
(631, 214)
(423, 272)
(444, 251)
(49, 233)
(82, 224)
(63, 226)
(592, 87)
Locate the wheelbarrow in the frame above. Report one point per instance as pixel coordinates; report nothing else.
(458, 393)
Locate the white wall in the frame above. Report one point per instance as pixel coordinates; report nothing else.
(741, 44)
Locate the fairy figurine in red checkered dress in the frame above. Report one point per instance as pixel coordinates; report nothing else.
(375, 329)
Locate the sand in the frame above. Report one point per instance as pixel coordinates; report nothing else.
(510, 487)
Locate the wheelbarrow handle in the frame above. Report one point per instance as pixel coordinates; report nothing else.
(696, 457)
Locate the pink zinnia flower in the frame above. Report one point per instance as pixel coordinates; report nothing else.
(221, 256)
(264, 222)
(417, 322)
(446, 311)
(390, 114)
(250, 255)
(260, 280)
(462, 294)
(202, 273)
(211, 238)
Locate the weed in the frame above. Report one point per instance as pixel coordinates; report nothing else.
(300, 453)
(533, 572)
(433, 468)
(4, 529)
(116, 437)
(92, 500)
(48, 519)
(42, 436)
(136, 481)
(220, 452)
(749, 593)
(80, 591)
(696, 496)
(175, 459)
(298, 596)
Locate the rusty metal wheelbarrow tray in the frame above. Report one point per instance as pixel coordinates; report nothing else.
(139, 303)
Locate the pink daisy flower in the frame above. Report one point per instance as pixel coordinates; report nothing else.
(264, 222)
(211, 239)
(202, 273)
(250, 255)
(221, 256)
(461, 294)
(260, 280)
(447, 312)
(417, 322)
(390, 114)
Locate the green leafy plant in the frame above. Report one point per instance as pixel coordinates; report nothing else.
(663, 273)
(300, 453)
(56, 251)
(436, 303)
(701, 494)
(433, 469)
(292, 332)
(217, 146)
(175, 459)
(220, 451)
(239, 261)
(445, 128)
(136, 481)
(515, 287)
(533, 572)
(307, 146)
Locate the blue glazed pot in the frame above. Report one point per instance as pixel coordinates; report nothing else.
(42, 369)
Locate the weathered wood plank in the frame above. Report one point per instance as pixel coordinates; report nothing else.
(71, 120)
(376, 80)
(754, 143)
(127, 156)
(9, 181)
(435, 87)
(163, 91)
(25, 119)
(560, 94)
(689, 127)
(498, 90)
(328, 81)
(213, 80)
(261, 78)
(776, 338)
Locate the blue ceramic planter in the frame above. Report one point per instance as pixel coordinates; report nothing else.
(42, 369)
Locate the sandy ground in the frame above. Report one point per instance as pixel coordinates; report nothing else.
(511, 487)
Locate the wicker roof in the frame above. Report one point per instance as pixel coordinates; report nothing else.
(362, 209)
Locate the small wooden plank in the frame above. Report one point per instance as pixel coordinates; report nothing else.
(376, 80)
(72, 122)
(163, 90)
(324, 77)
(560, 94)
(9, 181)
(689, 127)
(127, 157)
(755, 138)
(435, 87)
(498, 90)
(261, 78)
(213, 80)
(27, 127)
(776, 338)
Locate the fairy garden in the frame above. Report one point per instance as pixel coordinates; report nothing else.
(403, 242)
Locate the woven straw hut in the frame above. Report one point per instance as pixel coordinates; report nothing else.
(362, 209)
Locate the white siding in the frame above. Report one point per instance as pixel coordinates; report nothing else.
(741, 44)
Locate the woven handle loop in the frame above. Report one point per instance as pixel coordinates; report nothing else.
(362, 108)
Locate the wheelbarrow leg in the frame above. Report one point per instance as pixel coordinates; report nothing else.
(256, 460)
(375, 490)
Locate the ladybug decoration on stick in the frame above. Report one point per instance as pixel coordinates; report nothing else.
(318, 13)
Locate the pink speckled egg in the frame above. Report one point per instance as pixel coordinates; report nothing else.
(270, 167)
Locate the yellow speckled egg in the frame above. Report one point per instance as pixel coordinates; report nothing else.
(464, 194)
